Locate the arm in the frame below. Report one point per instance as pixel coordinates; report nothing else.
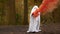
(46, 5)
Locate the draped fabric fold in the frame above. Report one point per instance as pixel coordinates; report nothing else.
(34, 22)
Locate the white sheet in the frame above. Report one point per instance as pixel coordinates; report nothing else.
(34, 22)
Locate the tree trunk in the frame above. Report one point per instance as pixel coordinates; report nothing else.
(25, 12)
(12, 13)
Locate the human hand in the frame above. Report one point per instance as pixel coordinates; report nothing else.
(35, 15)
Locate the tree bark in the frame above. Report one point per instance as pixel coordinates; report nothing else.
(25, 12)
(12, 13)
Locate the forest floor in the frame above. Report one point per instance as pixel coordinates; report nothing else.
(17, 29)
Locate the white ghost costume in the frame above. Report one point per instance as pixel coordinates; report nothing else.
(34, 24)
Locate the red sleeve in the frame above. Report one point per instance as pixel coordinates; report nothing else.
(42, 7)
(46, 5)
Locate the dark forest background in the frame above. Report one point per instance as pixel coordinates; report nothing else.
(16, 12)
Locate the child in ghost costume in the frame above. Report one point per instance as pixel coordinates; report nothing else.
(45, 7)
(34, 22)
